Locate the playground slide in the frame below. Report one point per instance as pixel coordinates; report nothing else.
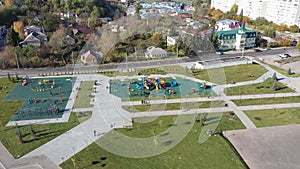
(146, 86)
(24, 82)
(156, 86)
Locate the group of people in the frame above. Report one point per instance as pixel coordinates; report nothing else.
(145, 101)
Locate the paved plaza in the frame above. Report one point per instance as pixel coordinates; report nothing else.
(269, 147)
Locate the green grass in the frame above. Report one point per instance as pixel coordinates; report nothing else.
(280, 70)
(7, 108)
(238, 73)
(172, 106)
(45, 132)
(216, 152)
(167, 97)
(108, 73)
(275, 100)
(265, 87)
(84, 96)
(290, 60)
(274, 117)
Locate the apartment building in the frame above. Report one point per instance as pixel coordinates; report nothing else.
(278, 11)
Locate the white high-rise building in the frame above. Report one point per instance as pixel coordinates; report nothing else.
(278, 11)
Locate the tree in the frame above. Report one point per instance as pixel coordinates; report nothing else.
(56, 4)
(9, 2)
(204, 27)
(12, 37)
(275, 87)
(298, 44)
(234, 9)
(19, 28)
(172, 31)
(55, 41)
(156, 39)
(259, 21)
(19, 134)
(93, 22)
(274, 77)
(285, 42)
(282, 28)
(138, 7)
(214, 40)
(269, 33)
(50, 22)
(294, 29)
(96, 12)
(32, 131)
(289, 71)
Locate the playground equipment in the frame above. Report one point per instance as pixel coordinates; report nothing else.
(24, 81)
(138, 86)
(203, 85)
(156, 86)
(146, 85)
(44, 85)
(174, 83)
(46, 80)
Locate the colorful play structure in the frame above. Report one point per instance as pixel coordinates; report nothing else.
(203, 85)
(44, 85)
(152, 83)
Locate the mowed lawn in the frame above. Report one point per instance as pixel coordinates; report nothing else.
(274, 117)
(275, 100)
(173, 106)
(216, 152)
(280, 70)
(238, 73)
(265, 87)
(84, 96)
(44, 132)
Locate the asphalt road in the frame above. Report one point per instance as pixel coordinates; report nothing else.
(119, 66)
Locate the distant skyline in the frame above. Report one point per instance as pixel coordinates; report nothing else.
(278, 11)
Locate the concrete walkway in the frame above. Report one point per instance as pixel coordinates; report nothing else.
(108, 114)
(217, 98)
(105, 115)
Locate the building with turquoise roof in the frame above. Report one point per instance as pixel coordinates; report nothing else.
(240, 38)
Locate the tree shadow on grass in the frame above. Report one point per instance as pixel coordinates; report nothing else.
(44, 135)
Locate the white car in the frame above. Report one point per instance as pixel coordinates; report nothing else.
(284, 55)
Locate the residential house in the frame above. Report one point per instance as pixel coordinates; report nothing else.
(153, 52)
(30, 29)
(91, 57)
(35, 39)
(2, 36)
(240, 38)
(68, 41)
(82, 29)
(172, 40)
(67, 15)
(227, 24)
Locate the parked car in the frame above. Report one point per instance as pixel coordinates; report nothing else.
(284, 55)
(257, 50)
(220, 52)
